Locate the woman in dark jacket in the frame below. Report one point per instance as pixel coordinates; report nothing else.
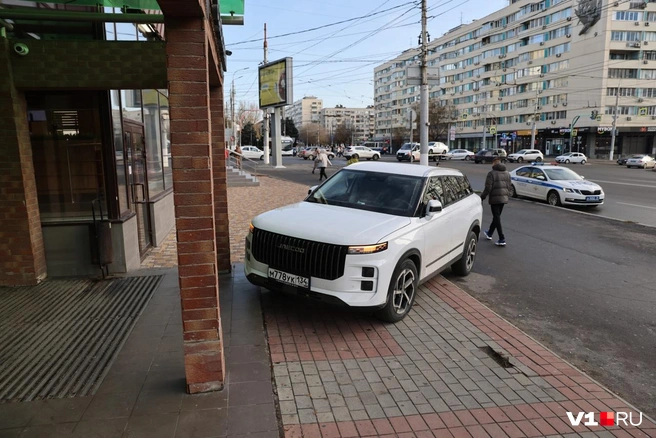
(497, 187)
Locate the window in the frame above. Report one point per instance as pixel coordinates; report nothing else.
(434, 190)
(538, 174)
(624, 73)
(626, 16)
(450, 190)
(524, 172)
(67, 152)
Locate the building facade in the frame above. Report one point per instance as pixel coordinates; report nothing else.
(360, 121)
(305, 111)
(543, 64)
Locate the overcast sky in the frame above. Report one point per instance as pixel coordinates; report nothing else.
(335, 63)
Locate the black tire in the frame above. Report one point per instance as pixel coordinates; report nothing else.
(399, 159)
(467, 158)
(520, 160)
(376, 157)
(463, 267)
(261, 157)
(553, 198)
(567, 161)
(582, 162)
(398, 296)
(538, 159)
(305, 158)
(513, 192)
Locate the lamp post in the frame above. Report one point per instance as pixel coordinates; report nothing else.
(232, 106)
(571, 132)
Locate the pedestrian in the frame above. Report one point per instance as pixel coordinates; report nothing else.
(497, 187)
(238, 156)
(352, 160)
(322, 162)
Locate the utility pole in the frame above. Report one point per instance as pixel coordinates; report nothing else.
(535, 114)
(265, 116)
(423, 93)
(571, 133)
(232, 113)
(612, 139)
(484, 120)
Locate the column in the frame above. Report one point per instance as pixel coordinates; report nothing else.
(193, 185)
(22, 255)
(219, 171)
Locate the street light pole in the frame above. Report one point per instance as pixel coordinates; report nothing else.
(571, 132)
(613, 135)
(232, 106)
(535, 114)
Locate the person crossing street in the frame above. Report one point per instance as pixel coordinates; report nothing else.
(497, 186)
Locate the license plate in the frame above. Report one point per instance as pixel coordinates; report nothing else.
(592, 198)
(290, 279)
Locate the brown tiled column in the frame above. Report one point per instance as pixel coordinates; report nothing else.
(220, 180)
(191, 149)
(22, 256)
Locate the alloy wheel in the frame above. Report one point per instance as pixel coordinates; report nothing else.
(471, 254)
(404, 291)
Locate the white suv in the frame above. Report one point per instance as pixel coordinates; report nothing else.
(526, 155)
(361, 152)
(405, 224)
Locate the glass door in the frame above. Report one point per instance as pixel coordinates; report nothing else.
(138, 182)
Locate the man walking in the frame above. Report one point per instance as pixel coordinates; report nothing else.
(497, 186)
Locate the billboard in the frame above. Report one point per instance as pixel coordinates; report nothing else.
(275, 81)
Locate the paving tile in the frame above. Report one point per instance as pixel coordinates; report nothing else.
(210, 400)
(60, 430)
(60, 411)
(250, 372)
(250, 419)
(113, 405)
(150, 403)
(250, 393)
(113, 428)
(158, 425)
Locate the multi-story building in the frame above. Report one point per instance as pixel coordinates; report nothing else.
(359, 120)
(545, 64)
(305, 111)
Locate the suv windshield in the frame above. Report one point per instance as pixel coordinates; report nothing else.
(406, 146)
(522, 152)
(373, 191)
(562, 174)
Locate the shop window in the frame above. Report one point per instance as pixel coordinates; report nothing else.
(119, 152)
(151, 115)
(65, 132)
(165, 126)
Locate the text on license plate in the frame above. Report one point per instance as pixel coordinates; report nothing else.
(290, 279)
(592, 198)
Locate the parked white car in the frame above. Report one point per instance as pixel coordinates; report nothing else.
(643, 161)
(572, 157)
(460, 154)
(252, 152)
(361, 152)
(526, 155)
(405, 224)
(555, 184)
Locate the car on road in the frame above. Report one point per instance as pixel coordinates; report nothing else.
(409, 152)
(302, 153)
(460, 154)
(312, 153)
(405, 224)
(252, 152)
(622, 161)
(643, 161)
(361, 152)
(488, 155)
(555, 184)
(528, 155)
(572, 157)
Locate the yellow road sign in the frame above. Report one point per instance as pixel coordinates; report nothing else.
(642, 111)
(493, 129)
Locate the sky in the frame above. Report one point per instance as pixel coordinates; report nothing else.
(336, 62)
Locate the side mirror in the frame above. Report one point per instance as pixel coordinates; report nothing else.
(434, 206)
(312, 189)
(541, 178)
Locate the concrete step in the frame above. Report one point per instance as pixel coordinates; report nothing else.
(240, 178)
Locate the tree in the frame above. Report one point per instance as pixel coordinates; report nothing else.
(313, 133)
(248, 134)
(248, 112)
(343, 134)
(399, 136)
(289, 128)
(439, 117)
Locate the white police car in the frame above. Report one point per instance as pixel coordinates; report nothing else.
(556, 185)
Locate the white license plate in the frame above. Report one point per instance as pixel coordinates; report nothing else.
(290, 279)
(592, 198)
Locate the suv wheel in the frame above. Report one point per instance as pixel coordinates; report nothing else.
(538, 159)
(376, 157)
(464, 266)
(401, 293)
(520, 159)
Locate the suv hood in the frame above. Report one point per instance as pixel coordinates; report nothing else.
(330, 223)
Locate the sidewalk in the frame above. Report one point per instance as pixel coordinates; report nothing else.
(297, 368)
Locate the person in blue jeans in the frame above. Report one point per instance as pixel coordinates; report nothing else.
(497, 187)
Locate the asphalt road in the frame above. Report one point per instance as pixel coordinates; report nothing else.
(582, 284)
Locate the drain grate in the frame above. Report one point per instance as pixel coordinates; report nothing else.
(499, 358)
(58, 339)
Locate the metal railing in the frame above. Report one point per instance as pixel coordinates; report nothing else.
(238, 161)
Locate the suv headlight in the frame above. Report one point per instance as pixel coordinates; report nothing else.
(367, 249)
(250, 227)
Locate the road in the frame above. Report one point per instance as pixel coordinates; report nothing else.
(581, 283)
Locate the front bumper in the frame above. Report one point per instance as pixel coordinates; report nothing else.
(345, 290)
(577, 199)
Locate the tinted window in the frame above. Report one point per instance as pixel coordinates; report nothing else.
(451, 189)
(524, 172)
(465, 187)
(434, 190)
(538, 173)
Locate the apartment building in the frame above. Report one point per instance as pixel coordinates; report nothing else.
(359, 120)
(545, 64)
(305, 111)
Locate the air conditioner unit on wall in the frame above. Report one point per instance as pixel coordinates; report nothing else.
(564, 103)
(645, 62)
(558, 55)
(641, 100)
(629, 119)
(542, 43)
(637, 23)
(569, 18)
(569, 35)
(653, 117)
(553, 122)
(647, 23)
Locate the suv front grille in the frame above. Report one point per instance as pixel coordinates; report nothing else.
(590, 192)
(299, 256)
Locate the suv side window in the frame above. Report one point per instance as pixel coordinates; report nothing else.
(452, 191)
(433, 190)
(465, 187)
